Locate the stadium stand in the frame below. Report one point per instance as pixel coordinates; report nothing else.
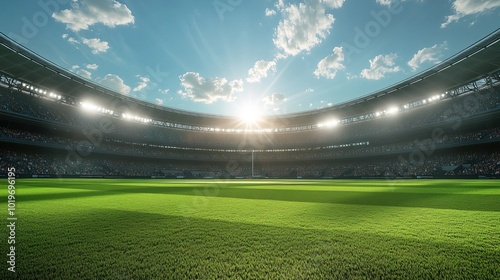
(452, 133)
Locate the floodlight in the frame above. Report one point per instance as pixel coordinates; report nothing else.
(86, 106)
(328, 124)
(332, 123)
(134, 117)
(392, 110)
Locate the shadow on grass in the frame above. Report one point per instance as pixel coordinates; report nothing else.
(446, 186)
(472, 202)
(116, 244)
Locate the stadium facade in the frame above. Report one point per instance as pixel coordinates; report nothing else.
(442, 122)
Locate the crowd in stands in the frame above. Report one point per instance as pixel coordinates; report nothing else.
(471, 162)
(107, 146)
(445, 113)
(175, 152)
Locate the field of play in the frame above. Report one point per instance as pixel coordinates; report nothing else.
(254, 229)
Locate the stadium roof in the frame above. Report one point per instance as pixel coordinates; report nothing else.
(475, 62)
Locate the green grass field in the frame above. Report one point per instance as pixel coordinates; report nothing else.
(254, 229)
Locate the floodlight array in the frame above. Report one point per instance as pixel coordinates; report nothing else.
(235, 130)
(328, 124)
(436, 97)
(136, 118)
(42, 92)
(54, 96)
(390, 111)
(88, 106)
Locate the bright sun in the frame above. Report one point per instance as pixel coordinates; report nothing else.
(249, 114)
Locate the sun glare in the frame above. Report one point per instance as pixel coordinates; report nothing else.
(250, 114)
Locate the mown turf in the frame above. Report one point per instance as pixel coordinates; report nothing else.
(255, 229)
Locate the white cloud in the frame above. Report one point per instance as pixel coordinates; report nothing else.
(333, 3)
(142, 84)
(379, 66)
(73, 40)
(92, 66)
(389, 2)
(330, 65)
(431, 54)
(270, 12)
(469, 7)
(274, 99)
(75, 67)
(351, 76)
(114, 82)
(163, 91)
(70, 39)
(280, 4)
(159, 101)
(304, 25)
(96, 45)
(384, 2)
(208, 90)
(85, 13)
(309, 90)
(260, 70)
(84, 73)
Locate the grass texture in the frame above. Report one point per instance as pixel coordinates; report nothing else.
(254, 229)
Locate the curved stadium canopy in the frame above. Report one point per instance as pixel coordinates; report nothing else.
(481, 60)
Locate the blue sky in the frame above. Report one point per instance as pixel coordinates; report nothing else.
(228, 57)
